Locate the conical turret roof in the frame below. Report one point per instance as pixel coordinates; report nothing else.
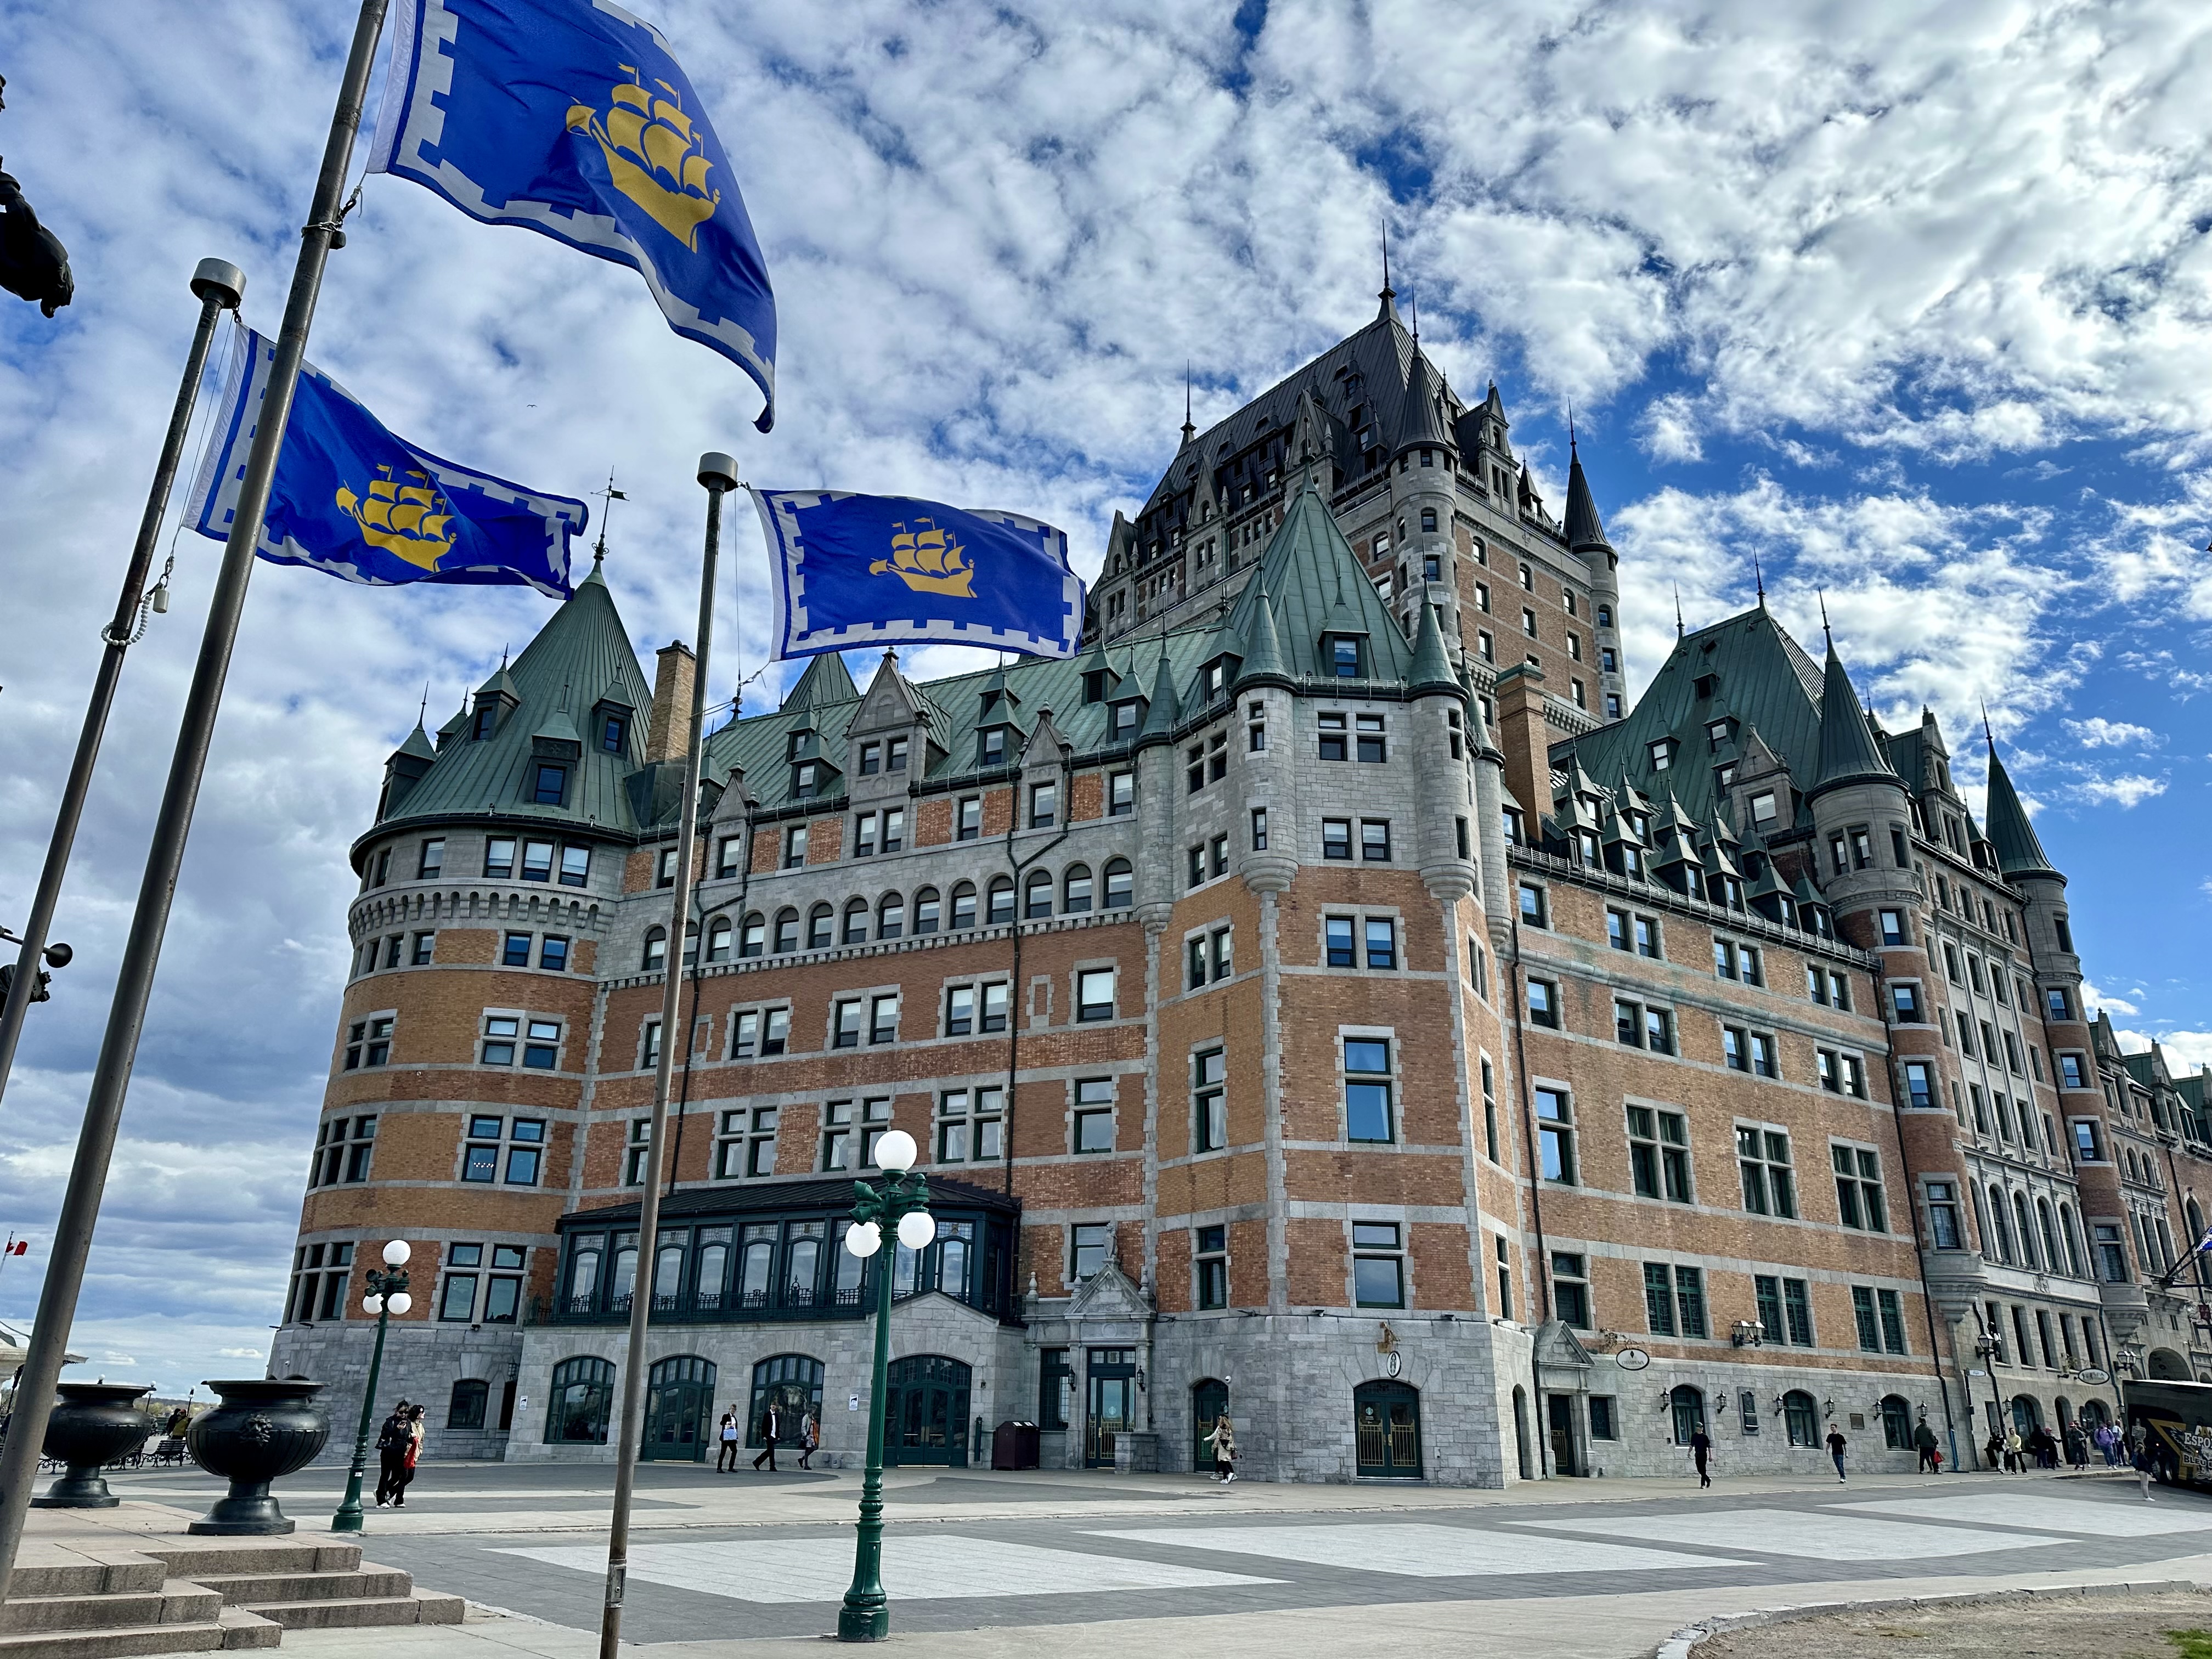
(418, 744)
(1263, 647)
(1583, 529)
(1421, 417)
(1314, 583)
(1430, 669)
(2019, 850)
(825, 682)
(1160, 713)
(1847, 751)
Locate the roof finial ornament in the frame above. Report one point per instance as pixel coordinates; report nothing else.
(1678, 609)
(503, 659)
(1988, 736)
(1758, 578)
(1413, 306)
(422, 714)
(1571, 429)
(1388, 292)
(1188, 430)
(1826, 632)
(610, 496)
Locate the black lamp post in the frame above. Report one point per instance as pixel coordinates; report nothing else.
(387, 1294)
(903, 1203)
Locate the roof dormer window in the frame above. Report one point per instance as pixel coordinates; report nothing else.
(614, 731)
(1125, 716)
(1705, 685)
(1663, 754)
(487, 720)
(1096, 684)
(1720, 731)
(991, 746)
(1344, 656)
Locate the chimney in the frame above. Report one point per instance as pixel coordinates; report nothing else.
(1525, 737)
(668, 736)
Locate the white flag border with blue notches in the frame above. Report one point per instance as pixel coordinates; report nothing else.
(221, 473)
(791, 635)
(411, 118)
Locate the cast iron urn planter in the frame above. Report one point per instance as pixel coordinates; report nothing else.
(95, 1423)
(262, 1431)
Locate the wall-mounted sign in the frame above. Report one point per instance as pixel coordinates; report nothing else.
(1632, 1360)
(1393, 1364)
(2095, 1378)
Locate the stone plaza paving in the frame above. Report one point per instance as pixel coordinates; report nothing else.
(985, 1564)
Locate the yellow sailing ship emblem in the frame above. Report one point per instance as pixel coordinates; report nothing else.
(928, 560)
(405, 517)
(654, 155)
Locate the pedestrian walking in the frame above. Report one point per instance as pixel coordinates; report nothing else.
(1701, 1451)
(2140, 1455)
(1923, 1441)
(179, 1420)
(2013, 1449)
(2078, 1449)
(1994, 1451)
(726, 1461)
(771, 1428)
(1835, 1445)
(1224, 1442)
(392, 1441)
(810, 1437)
(411, 1453)
(2108, 1441)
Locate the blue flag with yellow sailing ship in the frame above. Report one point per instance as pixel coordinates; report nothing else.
(353, 500)
(571, 118)
(853, 571)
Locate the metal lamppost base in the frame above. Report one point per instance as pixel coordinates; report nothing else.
(865, 1619)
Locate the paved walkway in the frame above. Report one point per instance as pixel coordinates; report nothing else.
(985, 1566)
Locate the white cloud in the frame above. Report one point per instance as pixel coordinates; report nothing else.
(2095, 997)
(2098, 732)
(2125, 790)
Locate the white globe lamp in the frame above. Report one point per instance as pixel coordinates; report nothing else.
(864, 1239)
(897, 1151)
(400, 1303)
(916, 1228)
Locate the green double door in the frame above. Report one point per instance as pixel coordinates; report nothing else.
(925, 1419)
(680, 1405)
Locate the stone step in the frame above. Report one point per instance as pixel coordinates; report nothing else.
(252, 1555)
(177, 1602)
(417, 1608)
(363, 1584)
(103, 1573)
(206, 1636)
(242, 1629)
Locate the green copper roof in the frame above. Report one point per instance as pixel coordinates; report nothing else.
(1312, 578)
(1849, 751)
(1758, 677)
(418, 744)
(1583, 528)
(824, 683)
(1431, 669)
(2019, 851)
(583, 644)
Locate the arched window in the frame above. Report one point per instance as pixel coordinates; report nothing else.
(2049, 1232)
(656, 949)
(1896, 1423)
(2004, 1225)
(1982, 1217)
(856, 922)
(820, 928)
(787, 931)
(2026, 1233)
(1121, 885)
(718, 940)
(690, 945)
(464, 1407)
(2196, 1220)
(791, 1382)
(1075, 889)
(1002, 900)
(1036, 895)
(1687, 1405)
(583, 1394)
(927, 914)
(1801, 1417)
(754, 935)
(964, 907)
(2072, 1233)
(890, 917)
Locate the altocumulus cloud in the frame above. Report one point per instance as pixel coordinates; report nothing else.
(1903, 299)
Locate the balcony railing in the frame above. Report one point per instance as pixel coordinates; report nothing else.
(717, 1307)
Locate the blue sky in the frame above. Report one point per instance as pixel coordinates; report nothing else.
(1911, 301)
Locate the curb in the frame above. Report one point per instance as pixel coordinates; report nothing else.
(1685, 1643)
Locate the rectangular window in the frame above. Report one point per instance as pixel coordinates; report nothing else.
(1905, 1001)
(540, 1047)
(883, 1019)
(1892, 927)
(1378, 1270)
(1735, 1048)
(1797, 1312)
(1544, 1003)
(499, 857)
(1044, 805)
(1891, 1313)
(425, 944)
(1769, 1183)
(1919, 1085)
(1375, 839)
(1094, 993)
(2070, 1071)
(1089, 1244)
(1658, 1298)
(1335, 743)
(1120, 794)
(575, 866)
(1336, 838)
(1094, 1115)
(847, 1032)
(1570, 1289)
(969, 818)
(1210, 1255)
(1858, 1188)
(1534, 911)
(516, 951)
(1616, 929)
(1209, 1102)
(430, 862)
(1259, 829)
(1555, 1135)
(863, 836)
(1369, 741)
(1600, 1418)
(1367, 1086)
(1381, 942)
(1862, 1314)
(1340, 938)
(1659, 1031)
(794, 847)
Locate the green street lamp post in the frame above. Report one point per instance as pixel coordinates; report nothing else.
(387, 1294)
(903, 1204)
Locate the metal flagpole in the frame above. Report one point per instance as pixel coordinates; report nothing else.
(718, 473)
(118, 1048)
(219, 286)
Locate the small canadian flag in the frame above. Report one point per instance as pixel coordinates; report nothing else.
(20, 1247)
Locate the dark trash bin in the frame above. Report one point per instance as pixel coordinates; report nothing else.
(1014, 1446)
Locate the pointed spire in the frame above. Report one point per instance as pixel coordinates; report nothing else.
(2018, 849)
(1849, 752)
(1758, 578)
(1263, 646)
(1584, 530)
(1421, 416)
(418, 743)
(1431, 669)
(1826, 632)
(825, 682)
(1388, 310)
(1189, 431)
(1678, 609)
(1161, 716)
